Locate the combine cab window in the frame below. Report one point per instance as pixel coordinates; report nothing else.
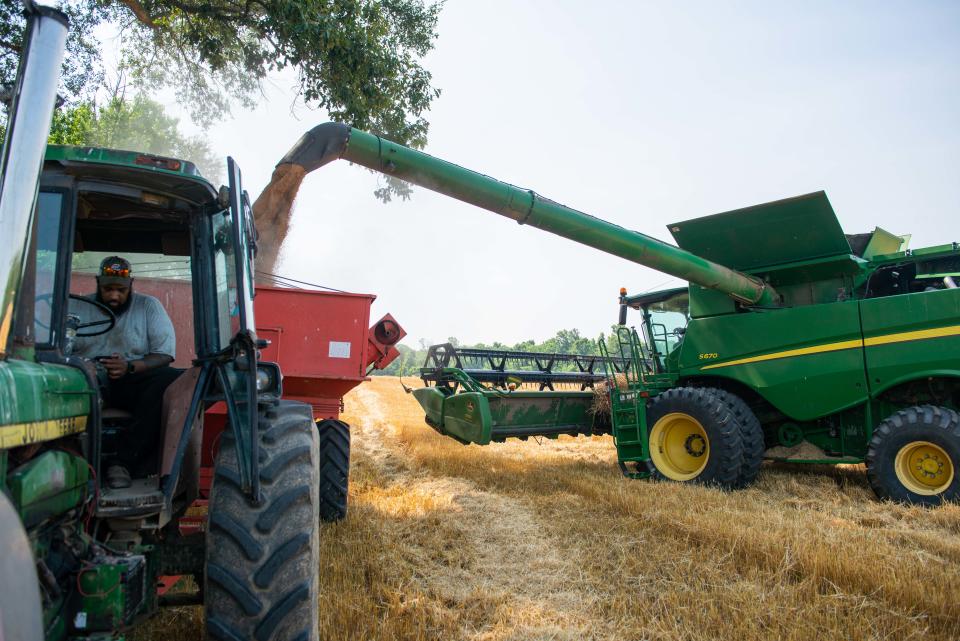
(668, 321)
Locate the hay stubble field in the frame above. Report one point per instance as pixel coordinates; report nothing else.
(546, 540)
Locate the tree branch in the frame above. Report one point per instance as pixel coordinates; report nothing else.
(140, 13)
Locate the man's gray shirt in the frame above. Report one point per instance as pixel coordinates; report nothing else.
(144, 328)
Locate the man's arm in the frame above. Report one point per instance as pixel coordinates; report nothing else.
(118, 367)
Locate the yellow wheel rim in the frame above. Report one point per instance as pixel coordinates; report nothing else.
(924, 468)
(679, 446)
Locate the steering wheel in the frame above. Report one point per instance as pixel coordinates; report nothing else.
(42, 298)
(110, 321)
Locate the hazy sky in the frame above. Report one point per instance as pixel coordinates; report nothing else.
(640, 113)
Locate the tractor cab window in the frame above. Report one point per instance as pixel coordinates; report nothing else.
(49, 212)
(668, 322)
(234, 248)
(152, 232)
(225, 272)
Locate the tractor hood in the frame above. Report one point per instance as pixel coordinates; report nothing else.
(783, 231)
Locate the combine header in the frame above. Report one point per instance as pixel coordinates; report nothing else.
(510, 370)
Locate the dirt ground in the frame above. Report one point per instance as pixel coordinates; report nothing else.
(546, 540)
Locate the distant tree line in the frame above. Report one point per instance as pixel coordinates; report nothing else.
(565, 341)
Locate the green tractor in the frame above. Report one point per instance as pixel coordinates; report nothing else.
(792, 342)
(88, 556)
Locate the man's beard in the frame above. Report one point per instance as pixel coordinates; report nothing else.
(118, 311)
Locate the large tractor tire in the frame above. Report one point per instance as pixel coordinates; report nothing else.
(914, 456)
(334, 468)
(262, 557)
(695, 437)
(751, 436)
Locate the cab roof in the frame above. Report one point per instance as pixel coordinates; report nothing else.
(178, 178)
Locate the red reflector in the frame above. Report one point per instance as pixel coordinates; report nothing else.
(644, 394)
(158, 162)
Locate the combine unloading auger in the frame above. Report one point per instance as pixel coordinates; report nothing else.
(331, 141)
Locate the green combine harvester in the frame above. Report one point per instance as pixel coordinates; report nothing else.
(793, 341)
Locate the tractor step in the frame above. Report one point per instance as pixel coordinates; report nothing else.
(141, 498)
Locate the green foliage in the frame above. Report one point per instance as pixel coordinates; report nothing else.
(140, 124)
(357, 59)
(82, 72)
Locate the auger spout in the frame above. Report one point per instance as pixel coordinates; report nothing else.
(331, 141)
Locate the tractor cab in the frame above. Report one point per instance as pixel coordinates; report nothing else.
(191, 247)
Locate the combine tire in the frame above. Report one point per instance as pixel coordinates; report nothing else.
(334, 468)
(914, 456)
(751, 436)
(262, 557)
(695, 437)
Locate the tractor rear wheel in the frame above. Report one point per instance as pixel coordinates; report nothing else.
(262, 557)
(695, 437)
(334, 468)
(914, 456)
(751, 436)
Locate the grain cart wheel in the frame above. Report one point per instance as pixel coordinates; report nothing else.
(334, 468)
(914, 456)
(751, 436)
(263, 557)
(695, 437)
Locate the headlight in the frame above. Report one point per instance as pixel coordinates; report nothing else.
(269, 379)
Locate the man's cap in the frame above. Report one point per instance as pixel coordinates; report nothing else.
(114, 270)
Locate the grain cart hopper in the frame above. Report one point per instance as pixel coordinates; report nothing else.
(81, 559)
(789, 334)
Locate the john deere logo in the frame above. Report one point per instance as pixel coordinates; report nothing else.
(469, 406)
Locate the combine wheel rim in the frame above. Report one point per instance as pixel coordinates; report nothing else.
(924, 468)
(679, 446)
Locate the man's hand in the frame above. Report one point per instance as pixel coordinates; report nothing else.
(115, 365)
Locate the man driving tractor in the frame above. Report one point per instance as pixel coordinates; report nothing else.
(135, 356)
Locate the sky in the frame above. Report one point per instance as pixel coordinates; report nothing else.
(641, 113)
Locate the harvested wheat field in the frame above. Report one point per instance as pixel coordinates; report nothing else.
(546, 540)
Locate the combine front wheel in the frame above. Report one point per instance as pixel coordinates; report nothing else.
(914, 456)
(695, 437)
(263, 556)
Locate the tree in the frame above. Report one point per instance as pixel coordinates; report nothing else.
(82, 72)
(358, 59)
(140, 124)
